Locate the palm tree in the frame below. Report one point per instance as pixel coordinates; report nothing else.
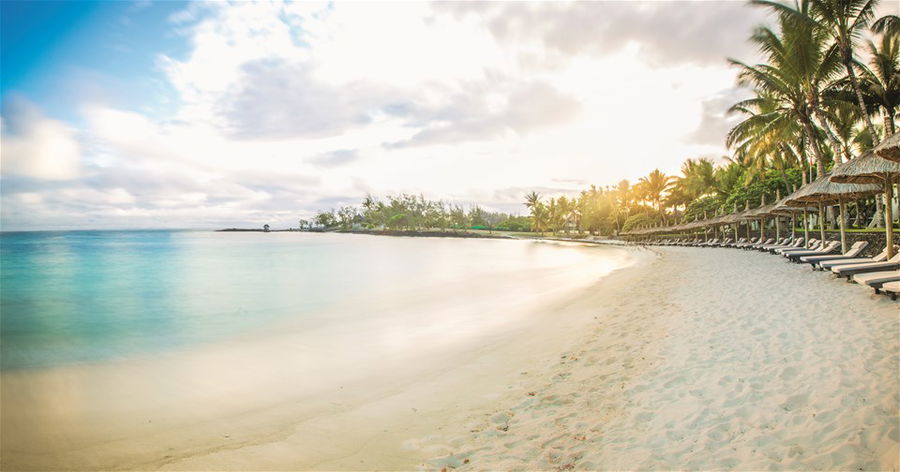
(801, 66)
(532, 199)
(881, 80)
(698, 177)
(767, 135)
(887, 25)
(846, 21)
(653, 186)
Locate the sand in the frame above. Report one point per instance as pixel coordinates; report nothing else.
(721, 359)
(690, 359)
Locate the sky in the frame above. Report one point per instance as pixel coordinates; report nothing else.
(204, 115)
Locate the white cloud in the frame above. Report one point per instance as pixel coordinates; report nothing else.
(36, 146)
(285, 108)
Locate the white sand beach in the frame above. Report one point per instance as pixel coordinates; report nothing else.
(711, 359)
(690, 359)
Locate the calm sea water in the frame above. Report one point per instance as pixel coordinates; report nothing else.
(89, 296)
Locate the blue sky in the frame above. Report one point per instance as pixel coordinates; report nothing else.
(212, 114)
(54, 52)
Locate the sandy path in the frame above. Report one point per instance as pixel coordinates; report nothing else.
(721, 359)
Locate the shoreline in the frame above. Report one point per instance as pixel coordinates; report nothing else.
(498, 234)
(687, 359)
(289, 416)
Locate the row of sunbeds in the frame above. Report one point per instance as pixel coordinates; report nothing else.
(879, 272)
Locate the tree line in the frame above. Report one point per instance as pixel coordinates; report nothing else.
(406, 212)
(827, 91)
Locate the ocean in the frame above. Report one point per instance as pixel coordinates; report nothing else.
(87, 297)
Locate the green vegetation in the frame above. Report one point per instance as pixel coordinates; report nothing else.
(813, 106)
(414, 213)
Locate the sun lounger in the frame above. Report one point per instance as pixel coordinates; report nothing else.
(780, 243)
(725, 242)
(849, 270)
(752, 241)
(829, 248)
(880, 257)
(796, 244)
(759, 245)
(855, 250)
(814, 245)
(892, 289)
(739, 241)
(877, 279)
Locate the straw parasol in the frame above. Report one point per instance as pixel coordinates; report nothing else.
(782, 207)
(823, 190)
(759, 213)
(871, 169)
(889, 148)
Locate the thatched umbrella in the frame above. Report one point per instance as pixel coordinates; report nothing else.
(823, 190)
(889, 148)
(784, 207)
(733, 218)
(759, 213)
(871, 169)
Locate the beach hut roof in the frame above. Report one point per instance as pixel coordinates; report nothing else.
(734, 217)
(868, 168)
(823, 190)
(785, 206)
(759, 211)
(890, 148)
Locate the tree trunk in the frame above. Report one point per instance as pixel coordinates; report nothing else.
(848, 63)
(843, 207)
(814, 142)
(806, 229)
(822, 223)
(877, 221)
(887, 115)
(889, 221)
(836, 145)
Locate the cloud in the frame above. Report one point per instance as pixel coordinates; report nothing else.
(275, 98)
(335, 158)
(700, 32)
(715, 122)
(36, 146)
(472, 116)
(283, 108)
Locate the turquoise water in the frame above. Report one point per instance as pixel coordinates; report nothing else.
(89, 296)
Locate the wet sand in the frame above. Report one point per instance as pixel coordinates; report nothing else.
(310, 397)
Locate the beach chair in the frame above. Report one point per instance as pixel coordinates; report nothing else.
(739, 241)
(711, 242)
(814, 244)
(795, 244)
(880, 257)
(759, 245)
(829, 248)
(855, 250)
(877, 279)
(747, 243)
(849, 270)
(725, 242)
(892, 289)
(781, 242)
